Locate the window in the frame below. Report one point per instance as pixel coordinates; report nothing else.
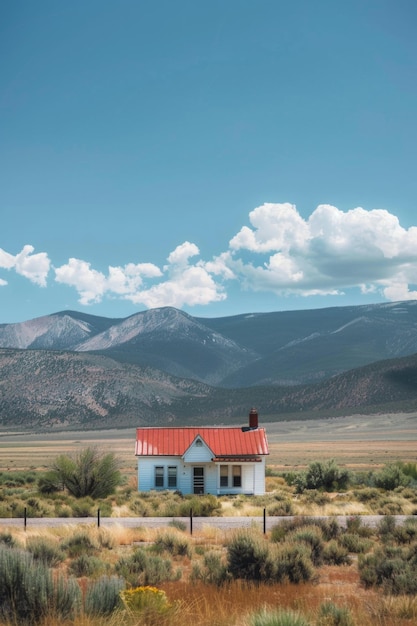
(198, 443)
(159, 476)
(237, 475)
(224, 476)
(172, 477)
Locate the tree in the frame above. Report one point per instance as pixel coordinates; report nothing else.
(89, 473)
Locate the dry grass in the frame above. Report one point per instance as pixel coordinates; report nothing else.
(199, 604)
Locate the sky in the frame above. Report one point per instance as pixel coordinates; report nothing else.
(218, 156)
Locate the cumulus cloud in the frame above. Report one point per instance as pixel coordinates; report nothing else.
(279, 251)
(330, 251)
(35, 267)
(181, 283)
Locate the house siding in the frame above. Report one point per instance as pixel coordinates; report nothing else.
(253, 476)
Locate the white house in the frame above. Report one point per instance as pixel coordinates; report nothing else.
(199, 460)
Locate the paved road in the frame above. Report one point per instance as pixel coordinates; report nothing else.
(222, 523)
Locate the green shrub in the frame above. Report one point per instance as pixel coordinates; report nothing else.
(141, 568)
(248, 557)
(392, 568)
(313, 538)
(324, 475)
(29, 592)
(79, 543)
(214, 570)
(173, 543)
(280, 617)
(85, 565)
(335, 554)
(294, 563)
(280, 509)
(45, 550)
(354, 543)
(201, 506)
(390, 477)
(332, 615)
(103, 596)
(178, 524)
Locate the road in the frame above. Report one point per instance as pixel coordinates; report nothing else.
(194, 524)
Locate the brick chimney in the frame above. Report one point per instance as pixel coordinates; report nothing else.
(253, 419)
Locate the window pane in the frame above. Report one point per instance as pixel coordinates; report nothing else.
(172, 476)
(237, 476)
(159, 476)
(224, 476)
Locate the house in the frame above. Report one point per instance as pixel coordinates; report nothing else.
(199, 460)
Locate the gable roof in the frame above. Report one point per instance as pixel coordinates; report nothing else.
(224, 442)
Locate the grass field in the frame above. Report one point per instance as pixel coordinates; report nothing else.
(355, 442)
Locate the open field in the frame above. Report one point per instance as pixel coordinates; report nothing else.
(356, 442)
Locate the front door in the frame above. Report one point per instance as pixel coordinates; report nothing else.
(198, 480)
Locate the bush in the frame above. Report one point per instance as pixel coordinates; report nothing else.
(248, 557)
(335, 554)
(332, 615)
(89, 473)
(103, 596)
(294, 563)
(279, 617)
(85, 565)
(28, 591)
(312, 537)
(322, 475)
(173, 543)
(392, 568)
(79, 543)
(214, 570)
(45, 550)
(354, 543)
(391, 477)
(141, 568)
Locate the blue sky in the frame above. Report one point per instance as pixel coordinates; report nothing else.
(222, 156)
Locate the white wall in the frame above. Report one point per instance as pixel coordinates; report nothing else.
(253, 475)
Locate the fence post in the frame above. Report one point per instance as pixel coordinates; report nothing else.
(191, 521)
(25, 518)
(264, 521)
(98, 518)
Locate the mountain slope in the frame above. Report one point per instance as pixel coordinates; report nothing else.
(44, 389)
(279, 348)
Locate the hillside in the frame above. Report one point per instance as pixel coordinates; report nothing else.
(43, 389)
(260, 349)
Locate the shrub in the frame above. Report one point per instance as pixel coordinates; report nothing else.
(89, 473)
(214, 570)
(354, 543)
(332, 615)
(103, 596)
(335, 554)
(294, 563)
(45, 550)
(281, 508)
(173, 543)
(313, 538)
(141, 568)
(391, 568)
(79, 543)
(7, 539)
(390, 477)
(322, 475)
(28, 591)
(247, 557)
(86, 565)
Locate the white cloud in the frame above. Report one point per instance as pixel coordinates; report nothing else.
(181, 284)
(331, 251)
(279, 252)
(35, 267)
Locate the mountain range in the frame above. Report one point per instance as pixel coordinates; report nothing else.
(71, 369)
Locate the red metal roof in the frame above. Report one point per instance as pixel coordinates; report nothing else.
(223, 442)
